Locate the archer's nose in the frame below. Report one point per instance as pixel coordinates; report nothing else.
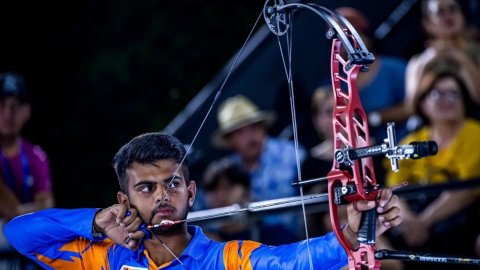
(162, 196)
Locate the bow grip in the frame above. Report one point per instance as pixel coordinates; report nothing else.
(368, 223)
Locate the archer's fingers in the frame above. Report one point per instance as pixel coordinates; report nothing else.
(363, 205)
(385, 197)
(121, 213)
(130, 216)
(136, 235)
(133, 224)
(392, 203)
(131, 243)
(391, 218)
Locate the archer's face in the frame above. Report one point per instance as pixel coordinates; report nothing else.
(147, 187)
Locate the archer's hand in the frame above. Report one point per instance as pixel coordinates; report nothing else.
(121, 229)
(388, 212)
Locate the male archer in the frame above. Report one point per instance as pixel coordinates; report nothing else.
(155, 187)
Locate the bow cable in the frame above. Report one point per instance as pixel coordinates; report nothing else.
(288, 74)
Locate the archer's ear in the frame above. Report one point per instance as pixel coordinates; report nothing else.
(122, 198)
(192, 191)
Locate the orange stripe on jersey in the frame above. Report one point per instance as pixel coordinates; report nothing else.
(92, 256)
(151, 263)
(238, 257)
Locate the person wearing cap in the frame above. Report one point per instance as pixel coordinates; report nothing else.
(443, 102)
(271, 162)
(25, 184)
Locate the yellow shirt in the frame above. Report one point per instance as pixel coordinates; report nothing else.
(460, 160)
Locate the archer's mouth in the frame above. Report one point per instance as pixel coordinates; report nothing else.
(164, 212)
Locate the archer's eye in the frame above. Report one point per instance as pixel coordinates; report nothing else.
(173, 184)
(147, 188)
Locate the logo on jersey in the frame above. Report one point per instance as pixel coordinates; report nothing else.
(126, 267)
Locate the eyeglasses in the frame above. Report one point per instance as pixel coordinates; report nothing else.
(451, 95)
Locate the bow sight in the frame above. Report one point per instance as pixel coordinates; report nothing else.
(394, 152)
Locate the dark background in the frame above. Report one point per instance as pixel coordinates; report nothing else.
(101, 72)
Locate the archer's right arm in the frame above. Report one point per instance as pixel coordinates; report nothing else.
(56, 237)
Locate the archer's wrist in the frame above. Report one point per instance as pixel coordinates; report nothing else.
(350, 236)
(97, 231)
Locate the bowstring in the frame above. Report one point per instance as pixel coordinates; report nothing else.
(288, 73)
(217, 95)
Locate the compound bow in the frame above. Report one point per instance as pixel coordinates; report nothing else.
(352, 176)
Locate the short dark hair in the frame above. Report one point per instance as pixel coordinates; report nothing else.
(148, 148)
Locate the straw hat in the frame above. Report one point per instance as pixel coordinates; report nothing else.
(236, 112)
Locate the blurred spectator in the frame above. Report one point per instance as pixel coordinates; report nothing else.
(270, 162)
(227, 184)
(441, 224)
(319, 161)
(25, 173)
(382, 88)
(448, 45)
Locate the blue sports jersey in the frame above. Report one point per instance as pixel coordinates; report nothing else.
(63, 239)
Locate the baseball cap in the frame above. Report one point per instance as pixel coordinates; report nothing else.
(12, 84)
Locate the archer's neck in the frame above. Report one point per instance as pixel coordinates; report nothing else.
(161, 253)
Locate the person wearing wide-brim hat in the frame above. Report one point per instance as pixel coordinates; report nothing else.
(271, 162)
(237, 112)
(443, 101)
